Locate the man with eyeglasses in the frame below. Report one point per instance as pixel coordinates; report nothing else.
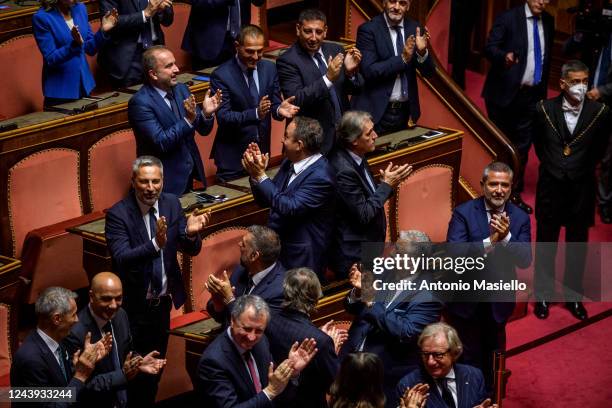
(393, 47)
(519, 48)
(449, 384)
(572, 135)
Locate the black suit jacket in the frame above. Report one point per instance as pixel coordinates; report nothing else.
(117, 54)
(290, 326)
(380, 67)
(133, 252)
(269, 289)
(300, 77)
(100, 390)
(223, 379)
(361, 211)
(509, 34)
(34, 365)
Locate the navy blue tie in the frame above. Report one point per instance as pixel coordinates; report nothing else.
(253, 87)
(173, 104)
(537, 52)
(156, 279)
(234, 19)
(602, 79)
(146, 36)
(332, 91)
(399, 45)
(121, 393)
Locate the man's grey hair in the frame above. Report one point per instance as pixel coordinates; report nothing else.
(266, 242)
(53, 300)
(413, 243)
(145, 161)
(244, 302)
(573, 66)
(455, 347)
(310, 132)
(350, 127)
(496, 166)
(302, 290)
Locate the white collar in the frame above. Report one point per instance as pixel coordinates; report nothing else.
(300, 166)
(389, 26)
(259, 276)
(52, 344)
(144, 209)
(358, 159)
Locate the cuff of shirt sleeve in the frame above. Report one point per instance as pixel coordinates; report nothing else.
(507, 238)
(328, 83)
(488, 246)
(144, 18)
(269, 398)
(261, 179)
(421, 59)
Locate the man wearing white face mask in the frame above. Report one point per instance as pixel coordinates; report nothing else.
(571, 137)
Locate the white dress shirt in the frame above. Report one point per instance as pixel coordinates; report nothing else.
(530, 57)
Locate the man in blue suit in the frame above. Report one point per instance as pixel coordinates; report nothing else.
(165, 117)
(320, 75)
(138, 28)
(260, 273)
(236, 369)
(300, 197)
(107, 385)
(213, 27)
(500, 231)
(144, 231)
(449, 384)
(393, 48)
(302, 291)
(361, 200)
(251, 95)
(389, 325)
(42, 361)
(518, 78)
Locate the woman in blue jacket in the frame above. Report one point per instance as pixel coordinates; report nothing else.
(63, 36)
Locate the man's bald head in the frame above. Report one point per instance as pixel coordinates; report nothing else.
(105, 295)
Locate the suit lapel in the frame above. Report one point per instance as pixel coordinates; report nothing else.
(239, 79)
(231, 352)
(283, 176)
(521, 20)
(50, 360)
(483, 221)
(353, 164)
(296, 181)
(136, 217)
(384, 30)
(559, 119)
(588, 110)
(308, 63)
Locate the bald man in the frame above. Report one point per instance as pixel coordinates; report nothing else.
(108, 384)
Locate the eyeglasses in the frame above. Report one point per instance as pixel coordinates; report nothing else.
(436, 355)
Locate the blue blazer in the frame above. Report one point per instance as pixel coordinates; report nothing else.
(469, 224)
(380, 67)
(222, 377)
(159, 133)
(34, 365)
(289, 326)
(302, 213)
(207, 25)
(133, 252)
(361, 211)
(105, 381)
(509, 33)
(65, 73)
(269, 289)
(469, 380)
(300, 77)
(117, 54)
(392, 332)
(237, 116)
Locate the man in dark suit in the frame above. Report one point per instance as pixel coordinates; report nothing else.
(251, 96)
(302, 291)
(144, 231)
(107, 385)
(165, 117)
(389, 325)
(42, 361)
(518, 78)
(259, 274)
(573, 132)
(393, 47)
(449, 384)
(237, 369)
(320, 75)
(500, 232)
(213, 27)
(300, 197)
(361, 200)
(138, 28)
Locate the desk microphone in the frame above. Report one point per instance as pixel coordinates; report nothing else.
(94, 105)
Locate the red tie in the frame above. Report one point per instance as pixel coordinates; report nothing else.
(252, 371)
